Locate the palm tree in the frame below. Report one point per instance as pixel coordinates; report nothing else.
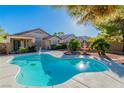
(2, 34)
(1, 30)
(58, 34)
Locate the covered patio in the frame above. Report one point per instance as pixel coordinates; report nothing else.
(13, 43)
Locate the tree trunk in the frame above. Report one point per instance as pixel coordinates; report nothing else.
(103, 53)
(99, 53)
(123, 41)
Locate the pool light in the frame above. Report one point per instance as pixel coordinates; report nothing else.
(81, 56)
(81, 65)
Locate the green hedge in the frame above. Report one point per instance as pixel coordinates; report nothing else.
(23, 50)
(59, 46)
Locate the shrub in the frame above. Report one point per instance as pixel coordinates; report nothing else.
(58, 46)
(74, 45)
(23, 50)
(54, 47)
(63, 46)
(100, 45)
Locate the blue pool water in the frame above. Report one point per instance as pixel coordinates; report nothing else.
(46, 70)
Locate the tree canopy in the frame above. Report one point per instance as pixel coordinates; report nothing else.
(58, 34)
(100, 45)
(2, 35)
(112, 30)
(92, 13)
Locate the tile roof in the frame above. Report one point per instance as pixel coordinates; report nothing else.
(31, 31)
(66, 36)
(51, 37)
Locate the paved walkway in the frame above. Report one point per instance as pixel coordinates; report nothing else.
(112, 78)
(115, 57)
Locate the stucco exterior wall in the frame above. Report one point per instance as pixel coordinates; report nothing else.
(2, 48)
(54, 40)
(117, 46)
(51, 41)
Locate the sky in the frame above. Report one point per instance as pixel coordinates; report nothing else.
(14, 19)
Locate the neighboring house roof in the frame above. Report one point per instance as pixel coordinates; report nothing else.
(31, 31)
(83, 38)
(80, 38)
(49, 37)
(66, 36)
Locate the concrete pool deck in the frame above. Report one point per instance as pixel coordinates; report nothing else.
(113, 78)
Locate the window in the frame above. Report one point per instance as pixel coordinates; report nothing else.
(55, 41)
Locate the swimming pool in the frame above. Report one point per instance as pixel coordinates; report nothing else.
(46, 70)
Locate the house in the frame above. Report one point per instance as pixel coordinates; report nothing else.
(66, 38)
(37, 37)
(38, 34)
(81, 39)
(25, 39)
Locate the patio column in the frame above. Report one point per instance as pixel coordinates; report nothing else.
(11, 45)
(26, 43)
(22, 43)
(7, 48)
